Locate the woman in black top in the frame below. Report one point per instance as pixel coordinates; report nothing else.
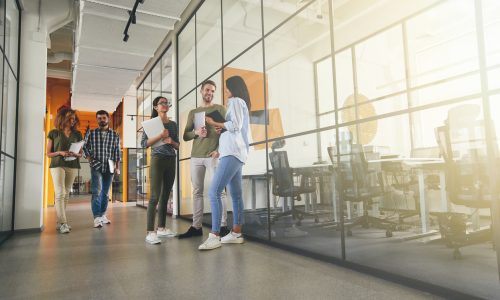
(162, 170)
(64, 164)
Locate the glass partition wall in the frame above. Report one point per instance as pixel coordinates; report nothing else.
(9, 78)
(157, 83)
(383, 115)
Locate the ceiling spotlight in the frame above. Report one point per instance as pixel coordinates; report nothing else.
(125, 38)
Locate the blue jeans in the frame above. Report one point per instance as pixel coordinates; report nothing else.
(228, 173)
(99, 187)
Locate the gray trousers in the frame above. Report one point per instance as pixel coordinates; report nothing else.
(199, 167)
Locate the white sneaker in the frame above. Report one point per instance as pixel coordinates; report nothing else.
(152, 239)
(64, 228)
(165, 232)
(105, 220)
(58, 226)
(97, 222)
(232, 238)
(212, 242)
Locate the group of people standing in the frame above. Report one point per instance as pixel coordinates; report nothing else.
(101, 148)
(221, 148)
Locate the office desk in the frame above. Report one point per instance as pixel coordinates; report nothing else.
(421, 165)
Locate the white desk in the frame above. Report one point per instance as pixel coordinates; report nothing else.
(422, 164)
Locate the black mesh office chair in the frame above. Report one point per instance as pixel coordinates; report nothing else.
(283, 186)
(357, 183)
(462, 143)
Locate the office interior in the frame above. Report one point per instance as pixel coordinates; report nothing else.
(373, 129)
(392, 83)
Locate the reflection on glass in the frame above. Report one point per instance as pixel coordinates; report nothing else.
(186, 197)
(491, 17)
(425, 122)
(185, 105)
(324, 85)
(9, 112)
(276, 12)
(452, 88)
(291, 52)
(6, 190)
(434, 37)
(242, 26)
(208, 39)
(249, 67)
(12, 34)
(308, 222)
(186, 59)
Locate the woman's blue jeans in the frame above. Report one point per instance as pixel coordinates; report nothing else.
(228, 173)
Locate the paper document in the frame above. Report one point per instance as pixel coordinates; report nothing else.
(199, 120)
(154, 127)
(75, 148)
(111, 166)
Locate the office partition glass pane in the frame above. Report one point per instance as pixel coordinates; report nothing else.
(219, 90)
(291, 53)
(9, 112)
(186, 58)
(442, 42)
(2, 24)
(167, 81)
(495, 116)
(493, 82)
(310, 222)
(186, 189)
(377, 107)
(446, 90)
(12, 34)
(208, 39)
(424, 123)
(146, 104)
(491, 21)
(324, 85)
(242, 26)
(249, 67)
(185, 106)
(344, 78)
(140, 111)
(156, 82)
(380, 68)
(276, 12)
(6, 190)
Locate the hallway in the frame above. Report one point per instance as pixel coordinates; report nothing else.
(116, 263)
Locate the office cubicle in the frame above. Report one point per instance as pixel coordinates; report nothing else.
(387, 73)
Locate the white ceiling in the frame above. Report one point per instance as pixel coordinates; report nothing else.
(104, 66)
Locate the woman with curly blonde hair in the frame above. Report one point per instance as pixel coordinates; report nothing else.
(64, 164)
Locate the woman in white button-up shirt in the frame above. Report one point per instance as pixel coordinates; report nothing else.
(233, 150)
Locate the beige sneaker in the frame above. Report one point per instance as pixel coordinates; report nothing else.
(152, 238)
(212, 242)
(165, 232)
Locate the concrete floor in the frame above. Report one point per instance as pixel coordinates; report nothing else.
(115, 263)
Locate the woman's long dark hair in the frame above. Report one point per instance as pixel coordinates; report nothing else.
(154, 113)
(236, 85)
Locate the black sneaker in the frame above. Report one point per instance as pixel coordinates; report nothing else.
(224, 231)
(191, 232)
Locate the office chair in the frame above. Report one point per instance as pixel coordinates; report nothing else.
(405, 182)
(283, 184)
(356, 184)
(462, 143)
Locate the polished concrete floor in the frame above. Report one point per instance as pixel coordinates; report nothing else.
(115, 263)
